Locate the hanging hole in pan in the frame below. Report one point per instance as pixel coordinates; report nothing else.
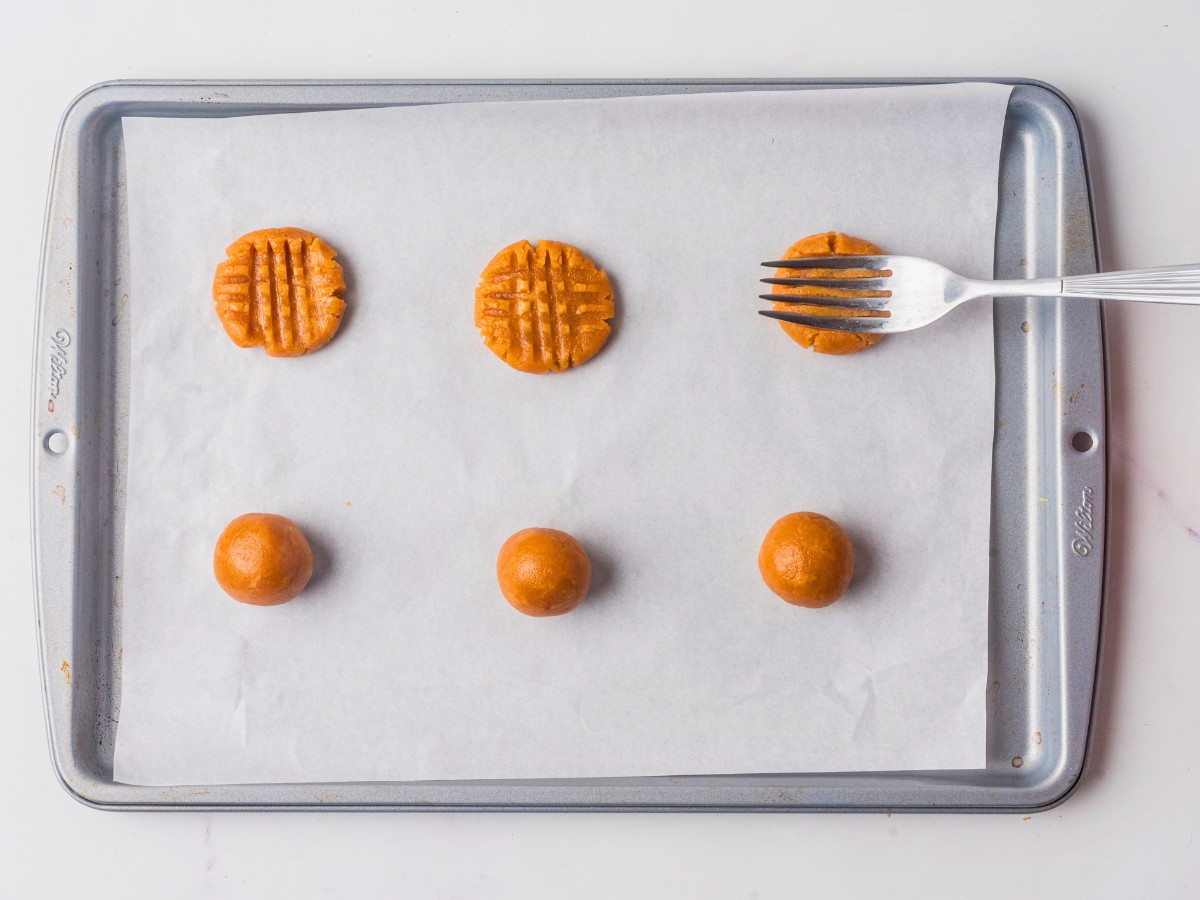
(55, 443)
(1083, 441)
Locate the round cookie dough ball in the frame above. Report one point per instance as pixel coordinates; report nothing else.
(807, 559)
(543, 572)
(262, 559)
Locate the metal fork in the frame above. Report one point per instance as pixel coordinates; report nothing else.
(909, 292)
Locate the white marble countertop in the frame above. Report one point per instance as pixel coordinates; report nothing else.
(1134, 75)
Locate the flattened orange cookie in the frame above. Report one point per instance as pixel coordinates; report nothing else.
(544, 308)
(278, 290)
(826, 340)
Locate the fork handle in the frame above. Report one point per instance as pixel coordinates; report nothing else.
(1166, 284)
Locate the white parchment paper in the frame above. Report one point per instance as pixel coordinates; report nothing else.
(408, 452)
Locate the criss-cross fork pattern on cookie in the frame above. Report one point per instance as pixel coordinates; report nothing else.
(544, 308)
(278, 290)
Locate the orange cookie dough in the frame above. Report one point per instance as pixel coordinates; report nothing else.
(824, 340)
(544, 308)
(807, 559)
(543, 572)
(262, 559)
(278, 289)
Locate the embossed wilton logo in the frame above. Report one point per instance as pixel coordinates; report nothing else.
(59, 341)
(1084, 525)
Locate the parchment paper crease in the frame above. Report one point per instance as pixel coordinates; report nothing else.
(408, 452)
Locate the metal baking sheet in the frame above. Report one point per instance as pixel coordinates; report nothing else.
(1048, 499)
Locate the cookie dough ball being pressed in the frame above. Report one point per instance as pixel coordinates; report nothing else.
(278, 290)
(826, 340)
(807, 559)
(543, 572)
(544, 308)
(262, 559)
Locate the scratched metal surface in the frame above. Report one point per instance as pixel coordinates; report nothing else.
(1047, 513)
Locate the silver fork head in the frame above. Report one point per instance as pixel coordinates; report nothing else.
(874, 263)
(856, 324)
(904, 292)
(849, 283)
(863, 303)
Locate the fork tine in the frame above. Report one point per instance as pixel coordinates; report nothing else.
(857, 324)
(849, 284)
(831, 262)
(834, 302)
